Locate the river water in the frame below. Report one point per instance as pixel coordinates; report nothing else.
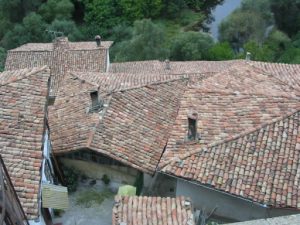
(220, 13)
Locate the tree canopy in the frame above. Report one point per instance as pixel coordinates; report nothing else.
(147, 42)
(287, 15)
(158, 29)
(191, 46)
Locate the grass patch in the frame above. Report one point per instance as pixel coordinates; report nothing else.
(91, 197)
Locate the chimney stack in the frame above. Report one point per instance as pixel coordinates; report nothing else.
(248, 56)
(61, 43)
(98, 40)
(168, 66)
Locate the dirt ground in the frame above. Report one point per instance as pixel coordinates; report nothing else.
(81, 214)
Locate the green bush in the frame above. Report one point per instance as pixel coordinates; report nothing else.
(191, 46)
(90, 197)
(71, 176)
(58, 212)
(139, 183)
(105, 179)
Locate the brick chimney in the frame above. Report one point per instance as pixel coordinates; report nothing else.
(167, 64)
(61, 43)
(248, 56)
(98, 40)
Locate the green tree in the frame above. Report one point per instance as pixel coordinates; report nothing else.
(221, 51)
(262, 7)
(34, 27)
(5, 25)
(16, 10)
(121, 32)
(31, 30)
(151, 8)
(241, 27)
(278, 41)
(171, 9)
(14, 38)
(287, 15)
(273, 49)
(2, 58)
(191, 46)
(296, 40)
(68, 28)
(101, 16)
(291, 55)
(56, 9)
(131, 9)
(137, 9)
(259, 52)
(205, 6)
(147, 43)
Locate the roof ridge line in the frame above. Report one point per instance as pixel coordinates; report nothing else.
(72, 73)
(204, 90)
(145, 85)
(94, 129)
(277, 63)
(171, 126)
(32, 71)
(272, 75)
(17, 51)
(243, 134)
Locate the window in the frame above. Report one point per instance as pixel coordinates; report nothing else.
(192, 126)
(96, 104)
(94, 97)
(51, 100)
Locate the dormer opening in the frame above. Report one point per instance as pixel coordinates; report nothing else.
(96, 103)
(51, 100)
(192, 126)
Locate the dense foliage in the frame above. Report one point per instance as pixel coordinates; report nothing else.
(269, 29)
(158, 29)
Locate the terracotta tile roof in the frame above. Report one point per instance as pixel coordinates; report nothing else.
(288, 73)
(135, 210)
(22, 115)
(111, 82)
(232, 102)
(159, 67)
(242, 150)
(61, 56)
(72, 46)
(262, 165)
(281, 220)
(14, 75)
(132, 127)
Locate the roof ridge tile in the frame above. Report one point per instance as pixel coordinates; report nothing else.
(214, 144)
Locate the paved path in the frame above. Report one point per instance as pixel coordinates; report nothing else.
(79, 215)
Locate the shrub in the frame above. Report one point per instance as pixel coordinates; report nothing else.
(71, 178)
(105, 179)
(90, 197)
